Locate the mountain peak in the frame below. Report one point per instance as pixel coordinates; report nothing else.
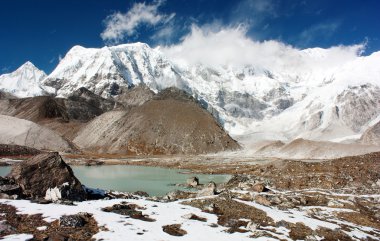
(28, 65)
(23, 82)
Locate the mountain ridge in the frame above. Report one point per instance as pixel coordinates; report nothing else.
(313, 103)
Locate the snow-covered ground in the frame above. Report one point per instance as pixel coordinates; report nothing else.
(119, 227)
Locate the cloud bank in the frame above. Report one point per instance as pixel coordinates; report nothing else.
(119, 25)
(230, 46)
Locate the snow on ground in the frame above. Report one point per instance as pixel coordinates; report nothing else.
(121, 226)
(118, 226)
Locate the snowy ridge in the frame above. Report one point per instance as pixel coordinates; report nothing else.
(318, 94)
(23, 82)
(309, 95)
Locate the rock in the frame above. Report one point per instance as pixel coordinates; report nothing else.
(192, 181)
(47, 176)
(251, 226)
(237, 180)
(174, 230)
(141, 194)
(262, 200)
(335, 203)
(208, 191)
(178, 194)
(128, 210)
(74, 221)
(275, 200)
(8, 187)
(193, 216)
(259, 187)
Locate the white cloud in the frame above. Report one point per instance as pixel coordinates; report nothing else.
(119, 25)
(231, 46)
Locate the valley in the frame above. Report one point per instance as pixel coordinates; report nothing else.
(127, 140)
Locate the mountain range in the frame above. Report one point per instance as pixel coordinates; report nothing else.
(302, 98)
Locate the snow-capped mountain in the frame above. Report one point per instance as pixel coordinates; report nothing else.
(23, 82)
(316, 101)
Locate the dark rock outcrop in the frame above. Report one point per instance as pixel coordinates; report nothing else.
(47, 176)
(82, 105)
(9, 188)
(16, 150)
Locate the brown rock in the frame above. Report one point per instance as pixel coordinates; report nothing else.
(192, 181)
(259, 187)
(208, 191)
(174, 230)
(47, 176)
(262, 200)
(193, 216)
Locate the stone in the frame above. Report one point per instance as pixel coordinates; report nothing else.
(193, 216)
(259, 187)
(8, 187)
(141, 193)
(262, 200)
(174, 230)
(74, 221)
(335, 203)
(47, 176)
(252, 226)
(209, 190)
(178, 194)
(128, 210)
(192, 181)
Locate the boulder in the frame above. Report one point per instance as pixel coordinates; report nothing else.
(178, 194)
(8, 187)
(259, 187)
(174, 230)
(262, 200)
(208, 191)
(192, 181)
(47, 176)
(74, 221)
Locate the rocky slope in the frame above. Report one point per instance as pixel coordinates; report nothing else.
(372, 135)
(172, 122)
(307, 149)
(134, 96)
(81, 105)
(26, 133)
(63, 115)
(283, 101)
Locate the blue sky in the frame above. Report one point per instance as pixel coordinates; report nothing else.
(42, 31)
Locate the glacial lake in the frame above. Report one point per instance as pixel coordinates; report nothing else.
(156, 181)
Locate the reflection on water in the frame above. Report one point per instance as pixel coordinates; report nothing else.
(153, 180)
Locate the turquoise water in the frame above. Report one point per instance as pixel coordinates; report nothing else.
(154, 180)
(4, 170)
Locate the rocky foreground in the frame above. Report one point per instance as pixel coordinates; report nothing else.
(282, 200)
